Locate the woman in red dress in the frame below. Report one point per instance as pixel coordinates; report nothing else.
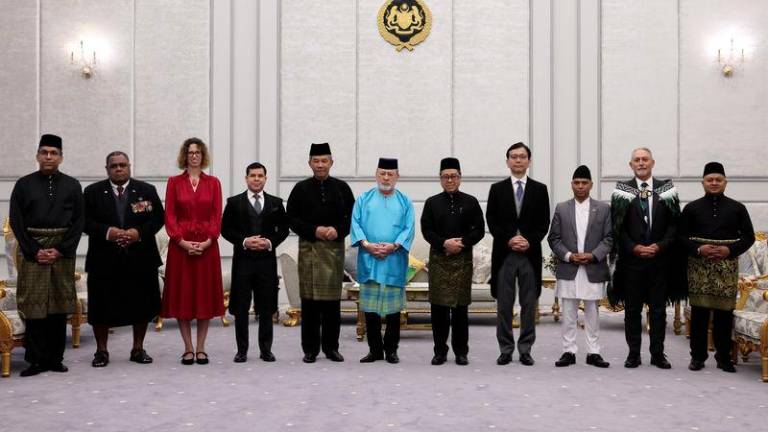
(193, 288)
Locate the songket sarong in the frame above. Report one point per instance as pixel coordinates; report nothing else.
(713, 284)
(381, 299)
(43, 290)
(450, 278)
(321, 270)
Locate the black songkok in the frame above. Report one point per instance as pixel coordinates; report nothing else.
(387, 164)
(582, 172)
(321, 149)
(713, 168)
(49, 140)
(450, 163)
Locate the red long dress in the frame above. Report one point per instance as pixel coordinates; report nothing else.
(193, 288)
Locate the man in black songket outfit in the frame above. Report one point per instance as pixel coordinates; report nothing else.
(122, 216)
(319, 211)
(452, 222)
(47, 219)
(645, 212)
(715, 230)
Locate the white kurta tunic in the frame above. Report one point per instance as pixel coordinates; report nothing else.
(580, 287)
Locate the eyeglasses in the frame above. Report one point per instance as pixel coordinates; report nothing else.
(520, 157)
(194, 153)
(118, 165)
(447, 177)
(48, 153)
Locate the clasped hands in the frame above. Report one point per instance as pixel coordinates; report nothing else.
(646, 251)
(713, 252)
(47, 256)
(453, 246)
(581, 258)
(518, 243)
(380, 250)
(256, 243)
(195, 248)
(326, 233)
(123, 238)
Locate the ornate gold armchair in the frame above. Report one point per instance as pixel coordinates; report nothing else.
(750, 323)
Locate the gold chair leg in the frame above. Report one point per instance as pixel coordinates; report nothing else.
(6, 362)
(76, 332)
(360, 324)
(677, 323)
(294, 317)
(159, 324)
(556, 309)
(224, 321)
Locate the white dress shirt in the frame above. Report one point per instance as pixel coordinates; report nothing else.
(580, 287)
(252, 197)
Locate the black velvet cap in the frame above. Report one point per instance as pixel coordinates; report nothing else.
(582, 172)
(321, 149)
(49, 140)
(450, 163)
(713, 168)
(387, 163)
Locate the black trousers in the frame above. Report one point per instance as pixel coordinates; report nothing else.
(722, 324)
(45, 340)
(516, 268)
(262, 288)
(646, 283)
(320, 325)
(391, 335)
(455, 319)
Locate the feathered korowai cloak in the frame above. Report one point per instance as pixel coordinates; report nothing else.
(621, 200)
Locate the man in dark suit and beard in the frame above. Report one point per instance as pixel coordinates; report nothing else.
(518, 218)
(644, 212)
(122, 216)
(255, 223)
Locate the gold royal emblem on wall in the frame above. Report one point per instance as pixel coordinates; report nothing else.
(404, 23)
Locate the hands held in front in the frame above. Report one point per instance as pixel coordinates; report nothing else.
(646, 251)
(582, 258)
(518, 243)
(256, 243)
(195, 248)
(326, 233)
(123, 238)
(453, 246)
(380, 250)
(714, 253)
(47, 256)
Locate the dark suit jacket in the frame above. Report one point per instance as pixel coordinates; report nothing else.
(236, 226)
(503, 223)
(144, 212)
(663, 228)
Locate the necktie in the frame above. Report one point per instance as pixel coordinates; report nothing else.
(646, 213)
(519, 195)
(120, 190)
(256, 204)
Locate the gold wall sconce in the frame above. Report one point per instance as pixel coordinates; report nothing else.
(85, 61)
(730, 58)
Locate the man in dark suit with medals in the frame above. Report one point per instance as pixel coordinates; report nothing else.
(255, 223)
(518, 218)
(645, 212)
(122, 216)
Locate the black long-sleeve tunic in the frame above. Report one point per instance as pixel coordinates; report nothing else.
(452, 215)
(716, 217)
(313, 203)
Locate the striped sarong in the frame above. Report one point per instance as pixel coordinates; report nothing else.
(321, 270)
(381, 299)
(46, 289)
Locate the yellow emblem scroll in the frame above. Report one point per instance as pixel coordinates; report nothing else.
(404, 23)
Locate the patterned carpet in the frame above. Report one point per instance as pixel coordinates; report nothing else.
(411, 396)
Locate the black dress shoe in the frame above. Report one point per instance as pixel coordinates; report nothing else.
(267, 356)
(726, 366)
(526, 359)
(462, 360)
(660, 361)
(100, 359)
(392, 357)
(188, 361)
(632, 361)
(438, 359)
(567, 359)
(33, 370)
(201, 358)
(504, 359)
(597, 360)
(309, 358)
(140, 356)
(696, 365)
(334, 355)
(371, 357)
(240, 357)
(58, 367)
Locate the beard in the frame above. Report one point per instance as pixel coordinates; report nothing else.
(386, 188)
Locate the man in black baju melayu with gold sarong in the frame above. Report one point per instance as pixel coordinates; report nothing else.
(715, 230)
(319, 211)
(452, 222)
(47, 218)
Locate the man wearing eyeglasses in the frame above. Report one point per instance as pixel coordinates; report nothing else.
(452, 222)
(46, 213)
(518, 218)
(122, 216)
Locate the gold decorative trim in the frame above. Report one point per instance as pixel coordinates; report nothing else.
(404, 23)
